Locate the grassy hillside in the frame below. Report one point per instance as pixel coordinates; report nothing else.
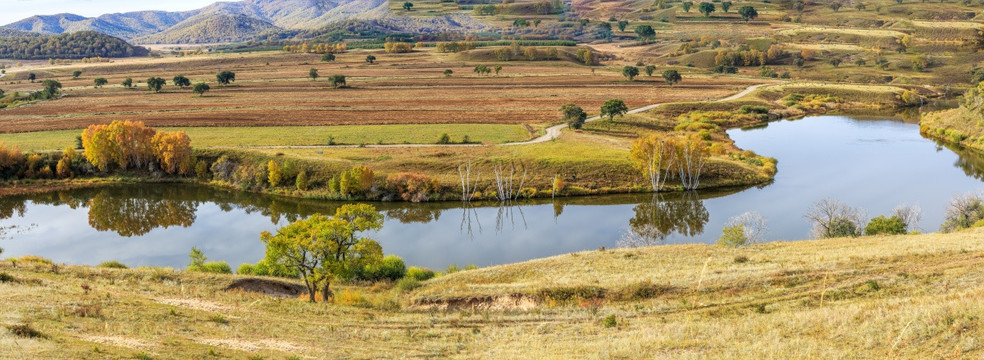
(917, 296)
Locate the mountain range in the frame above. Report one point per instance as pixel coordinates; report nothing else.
(236, 21)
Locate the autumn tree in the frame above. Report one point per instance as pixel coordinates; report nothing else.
(155, 84)
(173, 152)
(181, 81)
(653, 156)
(225, 77)
(323, 249)
(573, 115)
(201, 89)
(124, 144)
(274, 175)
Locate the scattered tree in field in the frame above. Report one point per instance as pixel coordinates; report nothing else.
(225, 77)
(444, 139)
(706, 8)
(650, 69)
(408, 6)
(630, 72)
(860, 62)
(687, 5)
(99, 82)
(50, 89)
(573, 115)
(313, 74)
(336, 80)
(672, 77)
(497, 69)
(181, 81)
(371, 59)
(322, 248)
(520, 23)
(725, 6)
(613, 108)
(32, 77)
(645, 33)
(835, 6)
(201, 89)
(622, 25)
(860, 6)
(832, 218)
(76, 74)
(128, 83)
(328, 57)
(155, 84)
(835, 62)
(747, 13)
(274, 174)
(448, 72)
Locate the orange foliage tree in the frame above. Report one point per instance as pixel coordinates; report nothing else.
(173, 152)
(129, 144)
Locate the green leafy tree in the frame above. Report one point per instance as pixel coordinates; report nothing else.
(747, 13)
(650, 69)
(613, 108)
(336, 80)
(329, 57)
(621, 25)
(645, 33)
(371, 59)
(313, 74)
(225, 77)
(630, 72)
(32, 77)
(448, 72)
(672, 77)
(835, 62)
(573, 115)
(181, 81)
(50, 89)
(706, 8)
(725, 6)
(408, 6)
(687, 5)
(323, 249)
(201, 89)
(302, 181)
(155, 84)
(99, 82)
(76, 74)
(128, 83)
(894, 225)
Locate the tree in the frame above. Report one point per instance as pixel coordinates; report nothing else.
(128, 83)
(497, 69)
(336, 80)
(860, 6)
(747, 13)
(313, 74)
(621, 25)
(687, 5)
(371, 59)
(302, 181)
(835, 6)
(32, 77)
(225, 77)
(521, 23)
(653, 156)
(645, 32)
(76, 74)
(835, 62)
(324, 249)
(650, 69)
(706, 8)
(672, 77)
(725, 6)
(630, 72)
(448, 72)
(613, 108)
(274, 175)
(50, 90)
(536, 23)
(181, 81)
(408, 5)
(860, 62)
(201, 89)
(328, 57)
(833, 218)
(573, 115)
(98, 82)
(173, 151)
(155, 84)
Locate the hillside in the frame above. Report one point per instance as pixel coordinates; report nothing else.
(65, 46)
(125, 25)
(915, 296)
(217, 28)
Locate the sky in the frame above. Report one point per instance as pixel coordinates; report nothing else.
(14, 10)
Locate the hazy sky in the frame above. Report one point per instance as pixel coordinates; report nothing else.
(13, 10)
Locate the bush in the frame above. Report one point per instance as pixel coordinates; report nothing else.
(113, 265)
(753, 109)
(391, 268)
(264, 268)
(885, 225)
(733, 236)
(411, 186)
(609, 321)
(962, 212)
(419, 274)
(198, 263)
(408, 284)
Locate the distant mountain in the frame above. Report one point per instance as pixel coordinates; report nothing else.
(210, 28)
(15, 44)
(127, 25)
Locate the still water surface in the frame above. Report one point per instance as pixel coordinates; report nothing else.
(869, 163)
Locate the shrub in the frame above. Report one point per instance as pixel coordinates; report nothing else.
(113, 265)
(885, 225)
(25, 330)
(419, 274)
(199, 264)
(5, 278)
(733, 236)
(411, 186)
(962, 212)
(453, 268)
(609, 321)
(302, 181)
(753, 109)
(391, 268)
(408, 284)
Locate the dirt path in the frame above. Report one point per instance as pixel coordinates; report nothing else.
(551, 133)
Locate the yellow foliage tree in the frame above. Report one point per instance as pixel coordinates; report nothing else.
(274, 175)
(173, 151)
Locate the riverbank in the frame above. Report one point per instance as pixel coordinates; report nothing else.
(912, 296)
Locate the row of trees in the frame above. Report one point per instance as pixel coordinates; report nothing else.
(335, 48)
(661, 158)
(132, 145)
(336, 80)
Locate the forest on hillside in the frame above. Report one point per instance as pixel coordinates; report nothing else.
(83, 44)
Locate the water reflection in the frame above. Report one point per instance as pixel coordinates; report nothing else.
(659, 218)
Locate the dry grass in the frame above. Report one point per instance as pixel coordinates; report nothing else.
(913, 297)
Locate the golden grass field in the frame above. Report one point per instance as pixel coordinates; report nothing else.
(912, 297)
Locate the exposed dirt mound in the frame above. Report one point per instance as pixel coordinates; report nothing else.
(521, 302)
(269, 287)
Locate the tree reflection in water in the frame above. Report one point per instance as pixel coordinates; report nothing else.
(659, 218)
(507, 212)
(414, 213)
(137, 211)
(468, 213)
